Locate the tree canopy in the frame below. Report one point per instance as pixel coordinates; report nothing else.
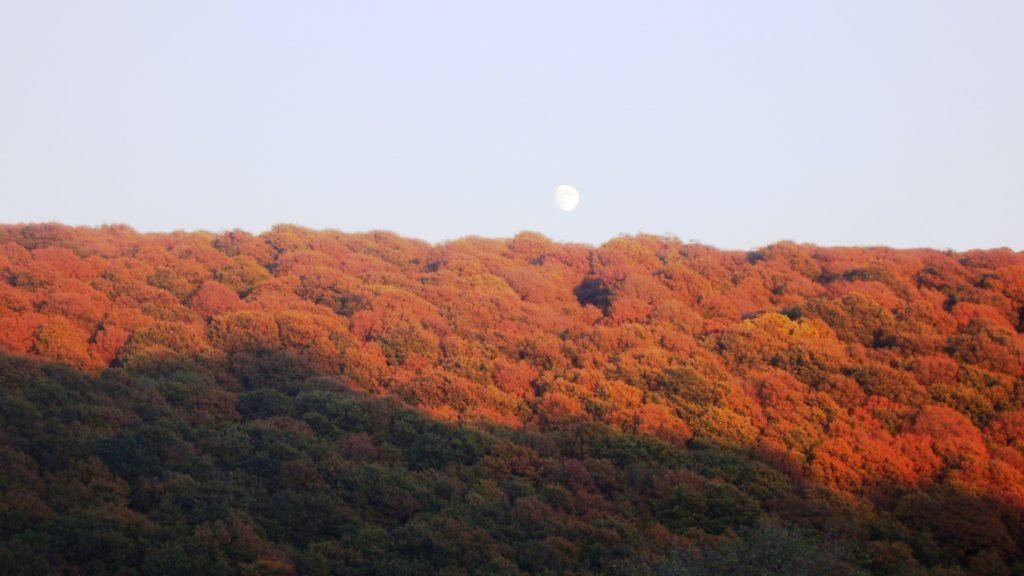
(315, 402)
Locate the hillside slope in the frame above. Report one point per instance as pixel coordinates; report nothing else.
(316, 402)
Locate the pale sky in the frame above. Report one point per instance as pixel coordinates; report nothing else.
(733, 123)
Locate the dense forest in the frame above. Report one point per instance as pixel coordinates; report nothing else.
(315, 402)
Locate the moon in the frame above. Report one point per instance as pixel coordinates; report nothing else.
(567, 198)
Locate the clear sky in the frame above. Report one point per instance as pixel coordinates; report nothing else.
(734, 123)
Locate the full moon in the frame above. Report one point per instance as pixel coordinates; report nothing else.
(566, 198)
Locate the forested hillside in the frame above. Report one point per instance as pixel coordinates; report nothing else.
(315, 402)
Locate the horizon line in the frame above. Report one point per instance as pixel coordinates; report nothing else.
(666, 236)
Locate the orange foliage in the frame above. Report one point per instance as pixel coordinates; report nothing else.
(213, 299)
(855, 367)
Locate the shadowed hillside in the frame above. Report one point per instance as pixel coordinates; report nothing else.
(307, 402)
